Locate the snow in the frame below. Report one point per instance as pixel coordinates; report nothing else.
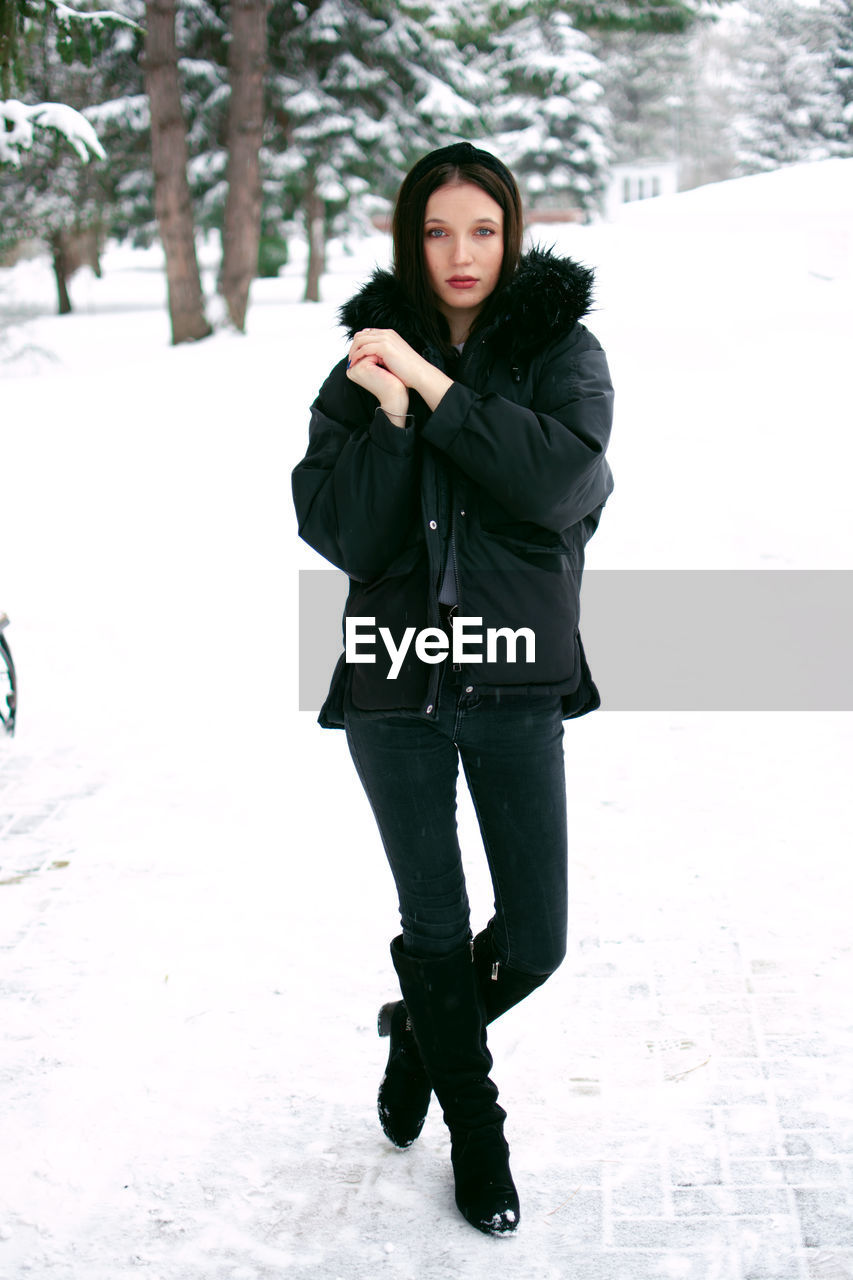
(798, 188)
(66, 14)
(440, 102)
(18, 119)
(195, 905)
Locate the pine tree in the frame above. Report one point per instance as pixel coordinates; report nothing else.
(643, 75)
(122, 118)
(202, 35)
(358, 89)
(546, 109)
(47, 29)
(787, 102)
(47, 195)
(571, 85)
(838, 19)
(661, 17)
(702, 105)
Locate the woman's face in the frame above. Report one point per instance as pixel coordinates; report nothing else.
(463, 251)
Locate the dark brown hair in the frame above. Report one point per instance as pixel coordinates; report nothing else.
(450, 165)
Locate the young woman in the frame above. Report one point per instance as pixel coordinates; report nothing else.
(455, 472)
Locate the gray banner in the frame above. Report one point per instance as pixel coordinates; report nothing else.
(669, 640)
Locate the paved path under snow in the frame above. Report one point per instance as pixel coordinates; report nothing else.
(189, 1094)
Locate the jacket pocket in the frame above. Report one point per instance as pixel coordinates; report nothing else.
(520, 535)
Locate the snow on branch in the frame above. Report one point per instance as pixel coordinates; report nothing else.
(440, 100)
(66, 14)
(17, 121)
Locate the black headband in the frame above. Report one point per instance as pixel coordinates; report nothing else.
(460, 153)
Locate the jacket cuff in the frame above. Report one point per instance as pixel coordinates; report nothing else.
(445, 422)
(390, 438)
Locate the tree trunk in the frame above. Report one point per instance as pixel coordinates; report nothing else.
(7, 46)
(172, 202)
(315, 218)
(247, 55)
(60, 271)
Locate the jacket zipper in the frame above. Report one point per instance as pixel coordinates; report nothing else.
(452, 549)
(469, 352)
(457, 666)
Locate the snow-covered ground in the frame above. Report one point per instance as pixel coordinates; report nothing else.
(194, 906)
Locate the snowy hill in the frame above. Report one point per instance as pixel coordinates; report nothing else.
(824, 188)
(800, 216)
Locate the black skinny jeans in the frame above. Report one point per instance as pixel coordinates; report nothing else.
(511, 747)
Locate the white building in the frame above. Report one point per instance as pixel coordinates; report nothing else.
(639, 180)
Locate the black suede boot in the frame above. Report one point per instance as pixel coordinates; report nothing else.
(442, 996)
(405, 1090)
(501, 986)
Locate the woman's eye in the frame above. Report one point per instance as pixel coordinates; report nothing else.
(485, 231)
(434, 233)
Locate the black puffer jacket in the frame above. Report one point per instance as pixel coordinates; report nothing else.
(507, 475)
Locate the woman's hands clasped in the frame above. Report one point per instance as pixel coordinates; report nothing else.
(367, 367)
(385, 365)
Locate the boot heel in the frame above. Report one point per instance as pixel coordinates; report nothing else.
(383, 1022)
(405, 1090)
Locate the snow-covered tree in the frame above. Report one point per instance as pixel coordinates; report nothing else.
(786, 100)
(644, 77)
(19, 121)
(573, 85)
(837, 17)
(702, 104)
(669, 17)
(545, 107)
(358, 88)
(746, 88)
(202, 38)
(74, 36)
(47, 195)
(122, 118)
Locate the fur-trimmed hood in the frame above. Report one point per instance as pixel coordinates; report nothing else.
(543, 299)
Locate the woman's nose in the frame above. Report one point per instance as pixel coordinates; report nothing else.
(461, 251)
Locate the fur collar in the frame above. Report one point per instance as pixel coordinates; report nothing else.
(544, 298)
